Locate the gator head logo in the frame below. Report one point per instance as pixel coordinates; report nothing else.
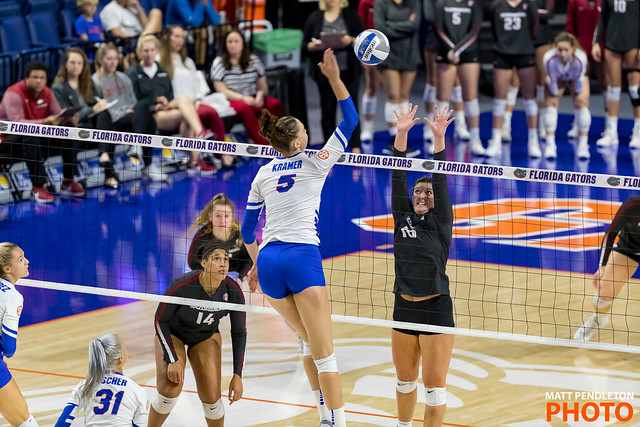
(613, 181)
(167, 142)
(520, 173)
(342, 158)
(4, 183)
(252, 149)
(3, 126)
(84, 134)
(428, 165)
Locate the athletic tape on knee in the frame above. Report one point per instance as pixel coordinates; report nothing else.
(164, 405)
(31, 422)
(499, 106)
(512, 95)
(633, 94)
(530, 107)
(435, 396)
(472, 108)
(613, 93)
(599, 302)
(539, 93)
(406, 386)
(213, 411)
(328, 364)
(306, 350)
(550, 118)
(456, 95)
(389, 108)
(583, 119)
(429, 94)
(369, 104)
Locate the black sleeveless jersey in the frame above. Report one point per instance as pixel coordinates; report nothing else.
(619, 24)
(514, 28)
(458, 24)
(626, 224)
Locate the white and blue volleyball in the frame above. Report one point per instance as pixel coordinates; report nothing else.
(371, 47)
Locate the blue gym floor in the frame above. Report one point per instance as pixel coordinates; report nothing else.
(135, 238)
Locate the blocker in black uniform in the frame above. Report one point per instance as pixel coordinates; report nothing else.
(191, 332)
(617, 265)
(619, 25)
(458, 24)
(422, 238)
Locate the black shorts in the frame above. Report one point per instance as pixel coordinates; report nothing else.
(431, 41)
(437, 311)
(507, 62)
(466, 57)
(628, 251)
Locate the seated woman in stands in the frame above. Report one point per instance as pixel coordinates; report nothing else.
(240, 75)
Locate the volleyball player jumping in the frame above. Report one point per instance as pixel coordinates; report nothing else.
(288, 263)
(422, 238)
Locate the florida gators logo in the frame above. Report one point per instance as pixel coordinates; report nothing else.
(519, 173)
(167, 142)
(3, 126)
(342, 159)
(613, 181)
(572, 225)
(428, 165)
(84, 134)
(252, 149)
(19, 311)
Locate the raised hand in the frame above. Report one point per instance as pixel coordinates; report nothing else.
(406, 120)
(329, 65)
(441, 121)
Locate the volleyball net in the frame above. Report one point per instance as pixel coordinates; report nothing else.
(525, 244)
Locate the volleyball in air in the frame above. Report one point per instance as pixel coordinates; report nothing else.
(371, 47)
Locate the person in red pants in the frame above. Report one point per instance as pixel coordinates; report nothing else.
(240, 75)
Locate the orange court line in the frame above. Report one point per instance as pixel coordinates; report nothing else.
(253, 399)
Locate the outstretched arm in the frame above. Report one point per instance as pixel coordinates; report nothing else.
(330, 69)
(405, 121)
(439, 127)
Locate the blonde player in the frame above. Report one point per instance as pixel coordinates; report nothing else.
(107, 397)
(288, 263)
(13, 266)
(566, 63)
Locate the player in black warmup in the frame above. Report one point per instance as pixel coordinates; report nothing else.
(514, 24)
(617, 265)
(422, 238)
(620, 26)
(458, 24)
(196, 328)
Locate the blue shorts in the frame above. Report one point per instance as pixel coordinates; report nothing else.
(289, 268)
(5, 375)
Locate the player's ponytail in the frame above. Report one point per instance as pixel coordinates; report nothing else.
(6, 254)
(104, 353)
(279, 132)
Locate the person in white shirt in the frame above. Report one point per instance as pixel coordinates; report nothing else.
(13, 266)
(566, 64)
(126, 18)
(288, 264)
(107, 397)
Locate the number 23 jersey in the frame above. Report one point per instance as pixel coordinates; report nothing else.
(514, 28)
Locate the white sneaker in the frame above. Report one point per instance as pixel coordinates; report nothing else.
(573, 132)
(593, 324)
(506, 131)
(583, 151)
(366, 131)
(427, 133)
(608, 139)
(550, 151)
(494, 149)
(533, 147)
(153, 172)
(476, 147)
(461, 131)
(635, 140)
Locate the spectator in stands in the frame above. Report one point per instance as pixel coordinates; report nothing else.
(152, 82)
(126, 18)
(88, 26)
(241, 76)
(126, 115)
(582, 19)
(187, 80)
(400, 21)
(335, 25)
(31, 101)
(195, 15)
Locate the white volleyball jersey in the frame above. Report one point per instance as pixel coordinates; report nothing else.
(289, 189)
(573, 71)
(117, 402)
(10, 310)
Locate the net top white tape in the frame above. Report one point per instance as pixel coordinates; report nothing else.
(335, 317)
(351, 159)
